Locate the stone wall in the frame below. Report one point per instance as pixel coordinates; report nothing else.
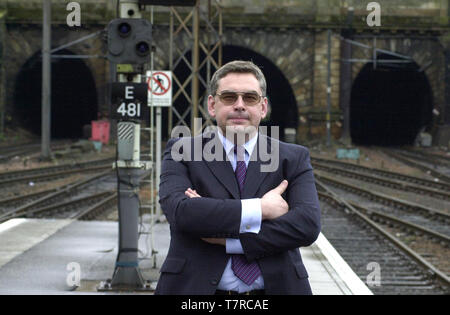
(395, 13)
(292, 34)
(315, 117)
(25, 42)
(427, 53)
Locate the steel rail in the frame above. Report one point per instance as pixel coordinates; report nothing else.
(11, 200)
(47, 198)
(62, 205)
(43, 177)
(400, 185)
(396, 202)
(424, 156)
(420, 166)
(421, 181)
(445, 239)
(91, 211)
(19, 150)
(440, 276)
(52, 169)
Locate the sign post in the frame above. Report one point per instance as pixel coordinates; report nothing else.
(159, 95)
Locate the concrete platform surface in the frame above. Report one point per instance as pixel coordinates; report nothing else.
(49, 256)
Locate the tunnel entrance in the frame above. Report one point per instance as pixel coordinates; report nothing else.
(283, 106)
(73, 99)
(390, 104)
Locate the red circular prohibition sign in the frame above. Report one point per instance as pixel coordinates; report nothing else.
(158, 83)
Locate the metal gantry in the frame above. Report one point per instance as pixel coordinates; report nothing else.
(196, 31)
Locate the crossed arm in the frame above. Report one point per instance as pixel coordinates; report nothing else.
(286, 224)
(272, 206)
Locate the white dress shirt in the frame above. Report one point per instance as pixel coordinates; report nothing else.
(250, 223)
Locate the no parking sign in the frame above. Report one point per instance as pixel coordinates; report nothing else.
(159, 88)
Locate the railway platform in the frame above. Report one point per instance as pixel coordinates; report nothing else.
(45, 256)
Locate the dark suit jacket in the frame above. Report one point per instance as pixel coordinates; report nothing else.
(194, 266)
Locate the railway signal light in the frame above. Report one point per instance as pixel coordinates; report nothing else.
(129, 41)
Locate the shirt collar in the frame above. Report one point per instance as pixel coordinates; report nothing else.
(228, 145)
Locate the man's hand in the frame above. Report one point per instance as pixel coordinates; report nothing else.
(217, 241)
(191, 193)
(272, 204)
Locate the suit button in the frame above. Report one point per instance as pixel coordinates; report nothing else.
(214, 281)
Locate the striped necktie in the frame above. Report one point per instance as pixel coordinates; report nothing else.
(247, 272)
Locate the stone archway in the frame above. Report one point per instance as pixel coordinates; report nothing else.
(74, 96)
(426, 53)
(291, 51)
(389, 104)
(281, 97)
(282, 101)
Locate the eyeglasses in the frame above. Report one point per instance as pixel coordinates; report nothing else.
(230, 98)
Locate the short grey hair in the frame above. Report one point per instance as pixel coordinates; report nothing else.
(237, 66)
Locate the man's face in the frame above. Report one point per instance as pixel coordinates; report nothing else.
(239, 115)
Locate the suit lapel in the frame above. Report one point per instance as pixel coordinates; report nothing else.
(224, 173)
(254, 176)
(222, 170)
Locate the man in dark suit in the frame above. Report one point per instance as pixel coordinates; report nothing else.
(239, 203)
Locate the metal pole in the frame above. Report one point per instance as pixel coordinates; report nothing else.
(329, 91)
(195, 58)
(154, 185)
(2, 72)
(345, 88)
(170, 110)
(219, 61)
(46, 79)
(158, 156)
(208, 45)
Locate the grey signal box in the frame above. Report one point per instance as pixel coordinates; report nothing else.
(128, 139)
(129, 41)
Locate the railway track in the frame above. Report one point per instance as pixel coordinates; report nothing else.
(362, 241)
(404, 225)
(430, 218)
(435, 169)
(45, 173)
(384, 181)
(435, 184)
(425, 156)
(61, 199)
(9, 152)
(73, 208)
(13, 178)
(96, 209)
(82, 200)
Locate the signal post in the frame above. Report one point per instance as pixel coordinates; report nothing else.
(129, 47)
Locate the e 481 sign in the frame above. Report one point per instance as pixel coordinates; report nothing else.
(129, 101)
